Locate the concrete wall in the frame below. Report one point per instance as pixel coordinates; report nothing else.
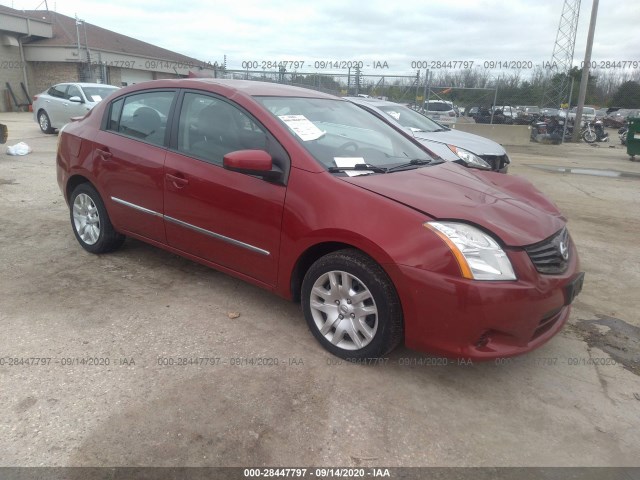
(502, 134)
(10, 71)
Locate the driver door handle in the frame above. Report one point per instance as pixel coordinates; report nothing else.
(178, 182)
(105, 154)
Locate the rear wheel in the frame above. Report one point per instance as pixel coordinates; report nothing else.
(351, 306)
(44, 122)
(90, 221)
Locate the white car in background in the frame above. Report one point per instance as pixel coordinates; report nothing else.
(440, 111)
(451, 145)
(588, 114)
(54, 108)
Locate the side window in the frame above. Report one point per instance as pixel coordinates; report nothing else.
(209, 128)
(143, 116)
(73, 91)
(58, 91)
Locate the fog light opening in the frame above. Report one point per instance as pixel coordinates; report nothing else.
(484, 339)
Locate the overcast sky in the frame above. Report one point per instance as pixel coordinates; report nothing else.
(395, 32)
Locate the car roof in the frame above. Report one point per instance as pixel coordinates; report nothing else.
(85, 84)
(245, 87)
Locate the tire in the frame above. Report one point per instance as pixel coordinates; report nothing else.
(90, 222)
(371, 324)
(589, 136)
(44, 122)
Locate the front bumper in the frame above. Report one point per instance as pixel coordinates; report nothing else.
(483, 320)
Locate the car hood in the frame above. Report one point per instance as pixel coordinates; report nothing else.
(473, 143)
(507, 205)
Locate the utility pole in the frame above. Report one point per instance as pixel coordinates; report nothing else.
(585, 73)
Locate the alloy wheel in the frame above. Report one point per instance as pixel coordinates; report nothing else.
(344, 310)
(86, 219)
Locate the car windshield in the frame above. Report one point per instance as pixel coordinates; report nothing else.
(340, 134)
(438, 107)
(411, 119)
(96, 94)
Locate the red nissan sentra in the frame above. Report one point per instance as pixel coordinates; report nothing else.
(311, 197)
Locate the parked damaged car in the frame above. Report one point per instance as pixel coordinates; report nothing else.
(311, 197)
(452, 145)
(56, 106)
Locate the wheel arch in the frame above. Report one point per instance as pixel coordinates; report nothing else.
(318, 250)
(73, 182)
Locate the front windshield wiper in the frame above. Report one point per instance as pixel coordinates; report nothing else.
(416, 162)
(363, 167)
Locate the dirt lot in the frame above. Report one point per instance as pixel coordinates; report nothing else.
(574, 402)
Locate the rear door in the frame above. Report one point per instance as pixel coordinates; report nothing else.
(129, 153)
(229, 218)
(53, 104)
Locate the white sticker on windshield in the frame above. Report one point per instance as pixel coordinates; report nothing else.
(96, 98)
(302, 127)
(351, 162)
(395, 115)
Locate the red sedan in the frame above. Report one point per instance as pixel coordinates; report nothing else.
(309, 196)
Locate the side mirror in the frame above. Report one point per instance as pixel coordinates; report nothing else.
(252, 162)
(76, 99)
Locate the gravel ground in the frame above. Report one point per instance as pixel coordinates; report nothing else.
(574, 402)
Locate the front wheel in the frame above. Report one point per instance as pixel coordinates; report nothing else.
(351, 306)
(44, 122)
(90, 221)
(589, 136)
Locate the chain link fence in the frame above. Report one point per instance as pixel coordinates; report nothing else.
(468, 90)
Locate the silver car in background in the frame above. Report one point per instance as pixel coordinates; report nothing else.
(54, 108)
(441, 111)
(452, 145)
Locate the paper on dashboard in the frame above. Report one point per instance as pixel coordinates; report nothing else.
(302, 126)
(351, 162)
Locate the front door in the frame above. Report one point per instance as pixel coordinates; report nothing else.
(225, 217)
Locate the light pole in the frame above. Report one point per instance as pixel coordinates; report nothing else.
(585, 73)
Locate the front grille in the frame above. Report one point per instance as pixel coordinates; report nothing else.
(497, 162)
(551, 256)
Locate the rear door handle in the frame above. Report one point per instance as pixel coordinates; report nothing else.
(178, 182)
(105, 154)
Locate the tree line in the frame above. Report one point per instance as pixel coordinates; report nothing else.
(606, 88)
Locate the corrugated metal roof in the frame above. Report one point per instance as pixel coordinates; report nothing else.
(98, 38)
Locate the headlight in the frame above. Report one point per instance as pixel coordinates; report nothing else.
(478, 254)
(60, 136)
(469, 158)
